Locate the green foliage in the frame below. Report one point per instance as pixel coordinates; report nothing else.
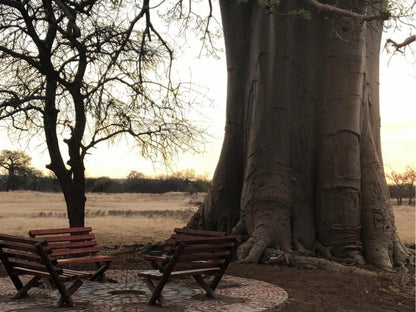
(301, 13)
(386, 6)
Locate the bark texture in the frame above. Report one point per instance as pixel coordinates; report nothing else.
(301, 166)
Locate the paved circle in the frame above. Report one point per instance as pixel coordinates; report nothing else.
(130, 294)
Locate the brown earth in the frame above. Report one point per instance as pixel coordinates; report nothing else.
(317, 289)
(329, 289)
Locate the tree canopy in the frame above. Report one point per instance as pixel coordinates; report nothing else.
(85, 72)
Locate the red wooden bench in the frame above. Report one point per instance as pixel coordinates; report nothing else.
(29, 256)
(74, 246)
(157, 257)
(194, 256)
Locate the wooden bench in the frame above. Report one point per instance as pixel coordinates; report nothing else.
(74, 246)
(193, 256)
(157, 257)
(29, 256)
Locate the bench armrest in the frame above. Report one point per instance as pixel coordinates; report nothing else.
(77, 260)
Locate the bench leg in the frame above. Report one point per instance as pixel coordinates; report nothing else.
(216, 280)
(201, 281)
(22, 292)
(16, 280)
(101, 268)
(155, 296)
(66, 294)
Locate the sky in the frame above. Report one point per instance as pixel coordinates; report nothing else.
(397, 105)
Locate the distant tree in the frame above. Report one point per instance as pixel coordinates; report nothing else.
(14, 163)
(402, 184)
(104, 185)
(397, 179)
(136, 175)
(410, 179)
(189, 174)
(89, 71)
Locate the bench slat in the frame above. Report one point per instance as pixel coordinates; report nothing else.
(206, 248)
(59, 231)
(27, 271)
(78, 251)
(157, 275)
(21, 239)
(71, 245)
(198, 232)
(70, 238)
(92, 259)
(22, 255)
(28, 265)
(208, 240)
(17, 246)
(202, 256)
(72, 274)
(196, 265)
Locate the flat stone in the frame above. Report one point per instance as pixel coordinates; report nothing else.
(131, 294)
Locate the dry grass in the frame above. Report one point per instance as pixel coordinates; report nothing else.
(405, 222)
(127, 218)
(115, 218)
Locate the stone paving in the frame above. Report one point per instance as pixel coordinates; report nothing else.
(130, 294)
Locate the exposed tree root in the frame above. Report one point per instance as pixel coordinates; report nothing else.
(328, 265)
(401, 275)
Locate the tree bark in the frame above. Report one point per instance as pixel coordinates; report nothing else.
(72, 181)
(301, 166)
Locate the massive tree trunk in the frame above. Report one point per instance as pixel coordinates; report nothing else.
(301, 165)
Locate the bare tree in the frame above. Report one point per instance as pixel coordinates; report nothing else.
(88, 71)
(398, 179)
(410, 180)
(301, 168)
(14, 163)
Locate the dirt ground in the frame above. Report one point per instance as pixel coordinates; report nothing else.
(308, 289)
(318, 289)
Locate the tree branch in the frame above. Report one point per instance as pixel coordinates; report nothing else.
(338, 11)
(21, 56)
(403, 44)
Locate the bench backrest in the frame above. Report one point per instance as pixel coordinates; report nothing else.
(68, 242)
(186, 234)
(23, 255)
(198, 253)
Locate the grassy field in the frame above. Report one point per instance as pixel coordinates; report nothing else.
(126, 218)
(115, 218)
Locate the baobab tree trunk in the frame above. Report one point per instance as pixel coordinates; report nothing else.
(301, 165)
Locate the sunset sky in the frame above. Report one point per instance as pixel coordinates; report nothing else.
(398, 120)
